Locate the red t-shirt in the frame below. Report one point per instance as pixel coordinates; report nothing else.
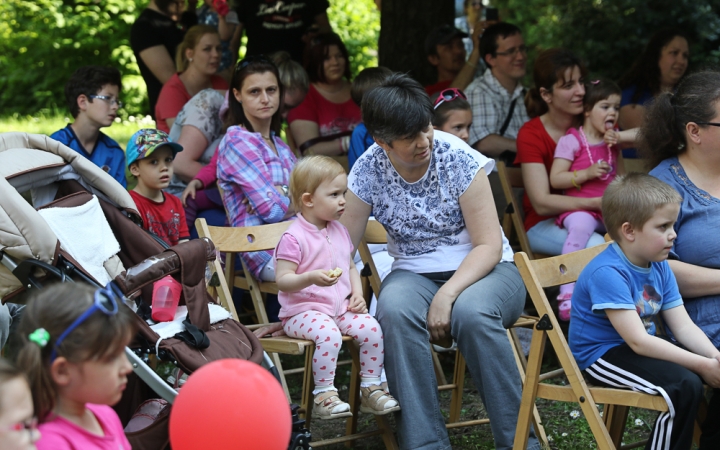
(165, 219)
(534, 145)
(437, 87)
(173, 97)
(331, 117)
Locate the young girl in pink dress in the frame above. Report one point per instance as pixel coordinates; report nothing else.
(320, 290)
(586, 161)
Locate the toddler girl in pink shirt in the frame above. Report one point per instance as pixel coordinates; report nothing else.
(320, 289)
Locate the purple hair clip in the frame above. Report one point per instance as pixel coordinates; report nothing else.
(595, 82)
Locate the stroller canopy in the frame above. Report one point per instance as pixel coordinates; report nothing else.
(35, 164)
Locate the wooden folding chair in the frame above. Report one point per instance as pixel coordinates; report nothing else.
(233, 241)
(511, 178)
(375, 234)
(608, 429)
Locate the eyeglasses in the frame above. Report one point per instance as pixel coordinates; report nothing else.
(29, 425)
(712, 124)
(448, 95)
(252, 59)
(110, 100)
(514, 51)
(105, 301)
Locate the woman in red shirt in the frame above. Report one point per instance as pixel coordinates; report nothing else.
(555, 104)
(327, 111)
(197, 60)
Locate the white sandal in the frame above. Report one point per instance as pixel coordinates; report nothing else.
(327, 405)
(374, 400)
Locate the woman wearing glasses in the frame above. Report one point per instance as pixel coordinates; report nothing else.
(18, 426)
(253, 163)
(555, 104)
(325, 119)
(197, 59)
(681, 137)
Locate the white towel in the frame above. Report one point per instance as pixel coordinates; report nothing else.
(84, 233)
(167, 330)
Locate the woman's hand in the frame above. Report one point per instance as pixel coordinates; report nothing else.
(321, 278)
(193, 186)
(357, 304)
(438, 318)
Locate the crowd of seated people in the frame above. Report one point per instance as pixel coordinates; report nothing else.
(229, 135)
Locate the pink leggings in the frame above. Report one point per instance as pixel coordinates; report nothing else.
(580, 226)
(327, 333)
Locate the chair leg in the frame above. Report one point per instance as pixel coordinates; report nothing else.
(308, 385)
(615, 417)
(457, 392)
(439, 375)
(278, 365)
(354, 391)
(529, 392)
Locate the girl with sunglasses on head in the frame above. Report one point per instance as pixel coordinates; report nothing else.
(586, 162)
(73, 351)
(453, 113)
(253, 163)
(18, 426)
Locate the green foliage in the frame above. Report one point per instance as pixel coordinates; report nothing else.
(358, 24)
(609, 34)
(43, 41)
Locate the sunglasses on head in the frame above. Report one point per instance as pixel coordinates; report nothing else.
(448, 95)
(251, 59)
(105, 301)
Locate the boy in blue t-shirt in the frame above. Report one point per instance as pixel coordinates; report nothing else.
(364, 82)
(619, 295)
(92, 95)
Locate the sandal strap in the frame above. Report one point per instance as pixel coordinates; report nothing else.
(378, 396)
(328, 399)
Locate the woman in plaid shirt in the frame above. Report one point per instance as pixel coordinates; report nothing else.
(254, 164)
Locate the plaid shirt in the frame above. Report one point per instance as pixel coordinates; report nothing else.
(247, 167)
(490, 103)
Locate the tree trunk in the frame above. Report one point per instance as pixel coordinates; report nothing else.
(404, 24)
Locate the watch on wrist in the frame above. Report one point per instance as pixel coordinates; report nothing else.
(285, 190)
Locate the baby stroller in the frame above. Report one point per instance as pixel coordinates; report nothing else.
(64, 219)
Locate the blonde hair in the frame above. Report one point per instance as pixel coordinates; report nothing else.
(633, 198)
(309, 173)
(192, 37)
(292, 75)
(54, 309)
(9, 372)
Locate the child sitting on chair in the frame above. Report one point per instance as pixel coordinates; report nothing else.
(617, 299)
(150, 155)
(320, 291)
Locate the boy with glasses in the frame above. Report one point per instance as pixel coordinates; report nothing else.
(92, 95)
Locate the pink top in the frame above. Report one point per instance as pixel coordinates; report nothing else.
(208, 174)
(570, 147)
(312, 249)
(332, 118)
(61, 434)
(173, 97)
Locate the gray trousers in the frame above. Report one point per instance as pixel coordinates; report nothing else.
(480, 317)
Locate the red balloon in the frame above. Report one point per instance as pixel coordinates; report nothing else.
(230, 404)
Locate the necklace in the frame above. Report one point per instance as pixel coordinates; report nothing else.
(587, 149)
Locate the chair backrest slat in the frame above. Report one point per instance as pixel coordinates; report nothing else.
(247, 239)
(375, 233)
(566, 268)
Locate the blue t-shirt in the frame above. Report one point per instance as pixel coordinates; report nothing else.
(359, 142)
(611, 281)
(108, 155)
(697, 242)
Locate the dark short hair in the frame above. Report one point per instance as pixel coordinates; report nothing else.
(500, 30)
(87, 81)
(317, 51)
(549, 68)
(598, 90)
(367, 79)
(397, 109)
(244, 68)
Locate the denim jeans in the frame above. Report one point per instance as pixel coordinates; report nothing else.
(548, 238)
(480, 316)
